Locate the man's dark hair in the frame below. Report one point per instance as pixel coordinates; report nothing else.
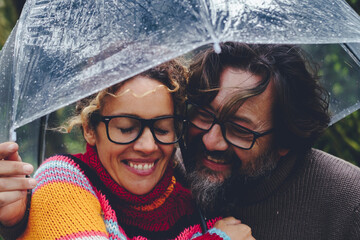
(300, 110)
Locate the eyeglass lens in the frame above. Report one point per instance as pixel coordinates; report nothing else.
(234, 133)
(125, 129)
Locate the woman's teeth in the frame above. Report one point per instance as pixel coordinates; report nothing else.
(141, 166)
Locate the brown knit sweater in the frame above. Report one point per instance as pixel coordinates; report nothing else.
(312, 197)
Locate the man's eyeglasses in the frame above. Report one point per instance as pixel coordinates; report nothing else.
(125, 129)
(233, 133)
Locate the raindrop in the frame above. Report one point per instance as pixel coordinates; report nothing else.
(217, 48)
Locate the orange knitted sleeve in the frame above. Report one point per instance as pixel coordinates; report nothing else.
(63, 206)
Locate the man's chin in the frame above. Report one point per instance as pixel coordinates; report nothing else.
(207, 188)
(213, 182)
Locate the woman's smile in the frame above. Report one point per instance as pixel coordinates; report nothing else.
(141, 167)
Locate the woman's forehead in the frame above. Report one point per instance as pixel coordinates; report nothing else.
(137, 99)
(139, 86)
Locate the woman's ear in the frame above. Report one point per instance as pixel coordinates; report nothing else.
(89, 135)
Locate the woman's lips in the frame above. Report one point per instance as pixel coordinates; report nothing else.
(142, 168)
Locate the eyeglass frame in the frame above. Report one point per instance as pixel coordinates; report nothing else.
(143, 123)
(222, 127)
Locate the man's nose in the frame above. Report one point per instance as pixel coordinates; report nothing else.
(214, 139)
(146, 142)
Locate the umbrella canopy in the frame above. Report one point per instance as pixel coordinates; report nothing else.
(63, 50)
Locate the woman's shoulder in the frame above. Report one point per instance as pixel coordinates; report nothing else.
(62, 169)
(64, 191)
(65, 160)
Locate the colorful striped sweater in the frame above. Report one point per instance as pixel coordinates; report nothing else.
(69, 204)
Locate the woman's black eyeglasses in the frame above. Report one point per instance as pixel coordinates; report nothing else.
(125, 129)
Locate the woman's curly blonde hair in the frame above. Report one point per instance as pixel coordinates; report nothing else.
(173, 74)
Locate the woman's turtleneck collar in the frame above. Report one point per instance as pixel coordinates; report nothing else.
(161, 214)
(90, 157)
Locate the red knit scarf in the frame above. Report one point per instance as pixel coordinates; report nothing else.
(158, 210)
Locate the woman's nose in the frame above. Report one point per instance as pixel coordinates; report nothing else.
(146, 142)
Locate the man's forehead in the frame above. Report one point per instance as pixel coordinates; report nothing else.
(234, 79)
(255, 110)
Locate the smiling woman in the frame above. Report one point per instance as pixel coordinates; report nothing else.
(131, 153)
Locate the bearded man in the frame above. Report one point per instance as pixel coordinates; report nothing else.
(254, 112)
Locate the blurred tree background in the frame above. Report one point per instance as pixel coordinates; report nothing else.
(341, 139)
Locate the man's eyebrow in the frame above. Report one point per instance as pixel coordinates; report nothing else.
(242, 119)
(232, 118)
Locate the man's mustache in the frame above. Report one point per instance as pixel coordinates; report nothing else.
(227, 157)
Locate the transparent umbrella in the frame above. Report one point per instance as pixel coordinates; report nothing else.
(63, 50)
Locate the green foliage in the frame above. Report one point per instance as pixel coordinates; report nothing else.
(59, 142)
(8, 17)
(355, 4)
(342, 138)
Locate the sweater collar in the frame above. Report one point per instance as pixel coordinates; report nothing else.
(257, 190)
(90, 157)
(267, 185)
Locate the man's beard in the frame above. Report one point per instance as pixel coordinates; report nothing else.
(215, 193)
